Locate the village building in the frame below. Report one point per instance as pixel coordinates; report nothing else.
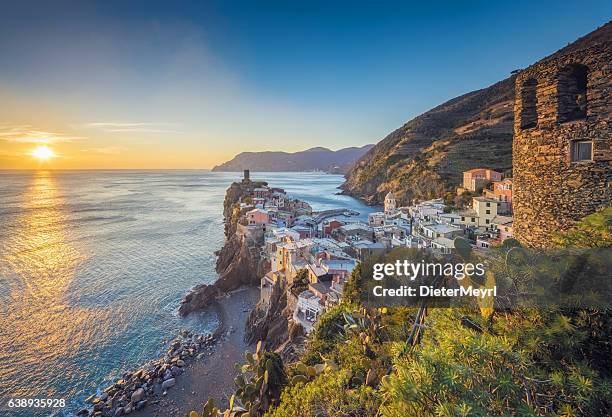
(504, 227)
(353, 232)
(257, 216)
(330, 225)
(502, 192)
(443, 245)
(376, 219)
(476, 179)
(436, 230)
(481, 214)
(309, 307)
(390, 204)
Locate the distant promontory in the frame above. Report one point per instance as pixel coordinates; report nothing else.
(314, 159)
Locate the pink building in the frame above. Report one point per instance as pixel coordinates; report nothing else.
(258, 216)
(502, 192)
(477, 178)
(505, 231)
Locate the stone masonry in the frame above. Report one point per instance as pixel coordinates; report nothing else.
(563, 138)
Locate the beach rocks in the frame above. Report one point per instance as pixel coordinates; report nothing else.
(168, 383)
(136, 388)
(138, 395)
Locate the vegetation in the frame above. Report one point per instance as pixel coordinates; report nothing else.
(592, 231)
(300, 283)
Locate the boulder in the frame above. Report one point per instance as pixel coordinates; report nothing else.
(168, 383)
(138, 395)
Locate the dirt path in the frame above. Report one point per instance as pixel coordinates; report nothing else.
(213, 375)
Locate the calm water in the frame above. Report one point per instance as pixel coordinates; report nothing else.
(93, 265)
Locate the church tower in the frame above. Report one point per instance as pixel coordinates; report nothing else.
(390, 204)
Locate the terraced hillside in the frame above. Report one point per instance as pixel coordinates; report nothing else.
(425, 157)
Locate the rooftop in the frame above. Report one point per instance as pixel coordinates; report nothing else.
(441, 228)
(485, 199)
(445, 242)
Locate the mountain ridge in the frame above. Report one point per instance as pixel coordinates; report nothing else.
(312, 159)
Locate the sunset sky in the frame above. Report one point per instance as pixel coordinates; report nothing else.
(146, 84)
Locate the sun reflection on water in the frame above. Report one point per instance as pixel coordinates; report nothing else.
(40, 266)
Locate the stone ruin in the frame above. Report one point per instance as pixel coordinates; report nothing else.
(563, 139)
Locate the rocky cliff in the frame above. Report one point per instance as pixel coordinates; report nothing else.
(238, 262)
(425, 157)
(322, 159)
(270, 322)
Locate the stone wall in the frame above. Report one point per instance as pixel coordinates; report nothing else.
(551, 191)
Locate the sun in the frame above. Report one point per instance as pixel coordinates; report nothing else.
(43, 153)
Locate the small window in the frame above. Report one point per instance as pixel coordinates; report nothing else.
(473, 219)
(572, 93)
(488, 221)
(462, 219)
(529, 102)
(582, 150)
(488, 204)
(488, 211)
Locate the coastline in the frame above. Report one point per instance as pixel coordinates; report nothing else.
(211, 376)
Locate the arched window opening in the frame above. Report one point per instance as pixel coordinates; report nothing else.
(529, 108)
(572, 93)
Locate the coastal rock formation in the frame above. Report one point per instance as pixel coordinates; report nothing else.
(270, 322)
(136, 389)
(425, 157)
(239, 262)
(322, 159)
(563, 138)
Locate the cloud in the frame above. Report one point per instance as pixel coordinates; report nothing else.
(107, 150)
(134, 127)
(29, 134)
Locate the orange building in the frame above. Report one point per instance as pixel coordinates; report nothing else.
(476, 179)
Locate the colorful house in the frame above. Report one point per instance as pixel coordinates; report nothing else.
(502, 192)
(257, 216)
(476, 179)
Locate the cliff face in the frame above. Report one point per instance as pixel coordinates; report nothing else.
(425, 157)
(238, 262)
(311, 159)
(269, 322)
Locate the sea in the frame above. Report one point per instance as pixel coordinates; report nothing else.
(93, 265)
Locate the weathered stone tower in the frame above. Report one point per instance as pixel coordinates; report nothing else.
(562, 138)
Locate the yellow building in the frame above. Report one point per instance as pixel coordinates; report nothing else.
(481, 214)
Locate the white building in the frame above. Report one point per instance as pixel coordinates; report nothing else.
(309, 308)
(376, 219)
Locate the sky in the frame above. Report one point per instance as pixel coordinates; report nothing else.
(189, 84)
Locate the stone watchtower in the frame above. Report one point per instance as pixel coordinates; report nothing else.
(562, 139)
